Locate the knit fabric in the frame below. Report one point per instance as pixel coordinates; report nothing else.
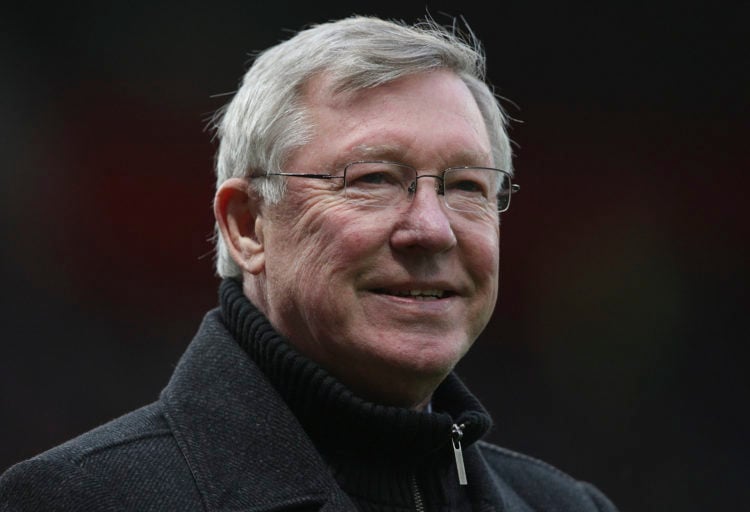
(382, 456)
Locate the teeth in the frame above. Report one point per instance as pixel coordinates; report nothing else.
(421, 293)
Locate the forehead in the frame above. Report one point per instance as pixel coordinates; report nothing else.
(427, 112)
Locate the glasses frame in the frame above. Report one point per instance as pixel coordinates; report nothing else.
(513, 189)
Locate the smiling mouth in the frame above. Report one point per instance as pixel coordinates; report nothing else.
(416, 294)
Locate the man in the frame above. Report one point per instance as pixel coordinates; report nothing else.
(362, 169)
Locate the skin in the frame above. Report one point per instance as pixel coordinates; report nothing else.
(330, 276)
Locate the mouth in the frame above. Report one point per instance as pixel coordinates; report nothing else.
(417, 294)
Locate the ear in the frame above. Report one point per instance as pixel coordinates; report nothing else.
(237, 212)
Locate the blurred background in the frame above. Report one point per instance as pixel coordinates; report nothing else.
(616, 348)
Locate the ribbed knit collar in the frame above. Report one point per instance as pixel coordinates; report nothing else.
(331, 413)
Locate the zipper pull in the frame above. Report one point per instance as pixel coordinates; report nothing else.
(456, 434)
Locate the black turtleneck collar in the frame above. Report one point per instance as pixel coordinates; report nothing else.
(330, 412)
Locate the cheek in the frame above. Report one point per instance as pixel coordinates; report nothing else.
(342, 238)
(482, 255)
(331, 261)
(332, 247)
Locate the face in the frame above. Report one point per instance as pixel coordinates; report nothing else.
(387, 300)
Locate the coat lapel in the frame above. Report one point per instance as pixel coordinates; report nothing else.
(244, 447)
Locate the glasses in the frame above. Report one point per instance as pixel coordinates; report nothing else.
(378, 184)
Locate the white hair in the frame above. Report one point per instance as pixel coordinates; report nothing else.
(266, 119)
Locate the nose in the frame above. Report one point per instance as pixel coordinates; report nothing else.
(424, 225)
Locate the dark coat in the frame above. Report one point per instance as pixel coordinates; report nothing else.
(221, 438)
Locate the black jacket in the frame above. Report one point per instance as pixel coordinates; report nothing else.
(221, 438)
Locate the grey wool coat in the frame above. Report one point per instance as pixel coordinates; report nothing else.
(221, 438)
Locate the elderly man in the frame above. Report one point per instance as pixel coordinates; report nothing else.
(362, 169)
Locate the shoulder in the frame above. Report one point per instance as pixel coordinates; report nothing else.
(112, 467)
(542, 485)
(52, 484)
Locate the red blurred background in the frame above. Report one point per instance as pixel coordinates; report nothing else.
(616, 348)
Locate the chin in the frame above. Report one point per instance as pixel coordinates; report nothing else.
(430, 364)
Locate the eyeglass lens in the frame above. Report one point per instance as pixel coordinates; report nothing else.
(384, 184)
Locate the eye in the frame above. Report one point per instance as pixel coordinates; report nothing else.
(469, 182)
(374, 174)
(374, 178)
(467, 186)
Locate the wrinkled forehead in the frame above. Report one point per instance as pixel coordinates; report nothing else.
(401, 96)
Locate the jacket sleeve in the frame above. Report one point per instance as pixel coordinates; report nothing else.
(53, 485)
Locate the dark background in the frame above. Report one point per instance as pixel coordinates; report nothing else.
(615, 352)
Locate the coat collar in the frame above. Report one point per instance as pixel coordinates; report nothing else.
(244, 447)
